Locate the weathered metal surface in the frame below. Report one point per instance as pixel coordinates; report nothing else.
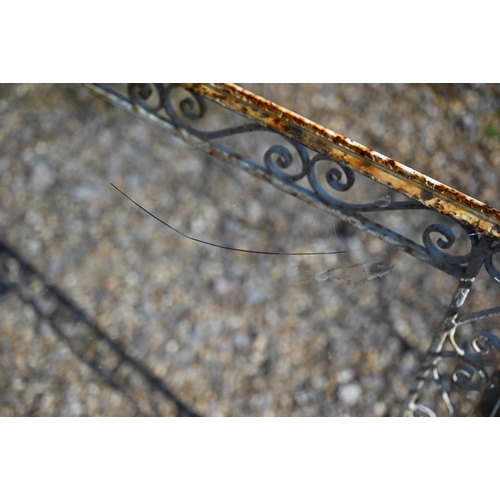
(480, 221)
(470, 365)
(222, 153)
(429, 192)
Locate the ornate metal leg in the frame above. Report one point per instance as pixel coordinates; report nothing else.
(471, 369)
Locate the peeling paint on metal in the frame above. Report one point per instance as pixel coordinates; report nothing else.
(378, 167)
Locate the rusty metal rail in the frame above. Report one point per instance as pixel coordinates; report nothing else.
(476, 362)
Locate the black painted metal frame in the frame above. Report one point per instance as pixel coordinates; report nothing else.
(476, 362)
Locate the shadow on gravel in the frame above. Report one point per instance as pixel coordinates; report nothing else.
(89, 343)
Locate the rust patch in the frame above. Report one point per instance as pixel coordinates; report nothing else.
(378, 167)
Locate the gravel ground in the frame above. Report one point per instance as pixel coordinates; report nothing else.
(103, 311)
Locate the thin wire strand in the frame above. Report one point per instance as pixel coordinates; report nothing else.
(221, 246)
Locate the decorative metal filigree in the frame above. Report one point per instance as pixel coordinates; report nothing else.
(180, 114)
(473, 367)
(472, 363)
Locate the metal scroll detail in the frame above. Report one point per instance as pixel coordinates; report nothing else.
(451, 364)
(471, 370)
(160, 104)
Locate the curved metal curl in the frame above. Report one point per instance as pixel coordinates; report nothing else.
(463, 376)
(484, 341)
(446, 242)
(284, 160)
(139, 93)
(470, 373)
(188, 107)
(443, 244)
(333, 175)
(424, 410)
(473, 365)
(333, 178)
(443, 231)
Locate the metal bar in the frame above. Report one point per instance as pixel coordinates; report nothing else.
(135, 104)
(378, 167)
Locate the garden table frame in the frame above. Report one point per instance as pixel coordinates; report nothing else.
(476, 363)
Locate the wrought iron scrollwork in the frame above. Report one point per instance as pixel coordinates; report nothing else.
(278, 158)
(140, 93)
(445, 241)
(474, 362)
(162, 104)
(333, 178)
(193, 108)
(472, 370)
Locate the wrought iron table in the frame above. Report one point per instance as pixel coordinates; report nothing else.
(326, 166)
